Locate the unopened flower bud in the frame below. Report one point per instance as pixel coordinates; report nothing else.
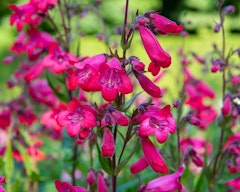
(217, 27)
(229, 9)
(227, 106)
(91, 177)
(139, 165)
(193, 120)
(108, 145)
(101, 184)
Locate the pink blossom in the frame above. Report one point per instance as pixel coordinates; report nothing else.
(165, 25)
(5, 119)
(108, 144)
(91, 177)
(159, 58)
(148, 85)
(139, 165)
(227, 106)
(2, 181)
(48, 119)
(43, 5)
(153, 157)
(41, 92)
(57, 60)
(111, 79)
(77, 117)
(35, 71)
(26, 116)
(66, 187)
(157, 121)
(24, 14)
(167, 183)
(113, 117)
(101, 184)
(234, 183)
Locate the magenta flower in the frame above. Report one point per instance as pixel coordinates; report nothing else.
(26, 116)
(35, 71)
(159, 58)
(66, 187)
(24, 14)
(43, 5)
(111, 80)
(113, 117)
(148, 85)
(227, 106)
(139, 165)
(2, 181)
(166, 183)
(108, 144)
(153, 157)
(234, 183)
(42, 93)
(101, 184)
(57, 60)
(5, 118)
(77, 117)
(157, 121)
(165, 25)
(91, 177)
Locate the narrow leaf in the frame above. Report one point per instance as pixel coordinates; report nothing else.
(126, 105)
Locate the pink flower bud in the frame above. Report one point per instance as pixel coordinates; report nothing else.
(148, 85)
(108, 145)
(139, 165)
(91, 177)
(101, 184)
(193, 120)
(227, 106)
(2, 179)
(217, 27)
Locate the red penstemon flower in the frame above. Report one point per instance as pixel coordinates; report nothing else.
(159, 58)
(111, 80)
(157, 121)
(165, 25)
(108, 144)
(153, 157)
(66, 187)
(77, 117)
(166, 183)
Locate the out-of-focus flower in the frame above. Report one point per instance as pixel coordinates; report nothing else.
(166, 183)
(229, 9)
(66, 187)
(91, 177)
(77, 117)
(227, 106)
(234, 183)
(139, 165)
(5, 118)
(101, 184)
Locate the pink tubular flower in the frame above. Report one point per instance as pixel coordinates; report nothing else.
(27, 116)
(2, 181)
(43, 5)
(159, 58)
(148, 85)
(66, 187)
(34, 72)
(166, 183)
(77, 117)
(234, 183)
(111, 79)
(24, 14)
(108, 145)
(91, 177)
(139, 165)
(41, 92)
(227, 106)
(153, 157)
(165, 25)
(101, 184)
(157, 121)
(5, 119)
(57, 60)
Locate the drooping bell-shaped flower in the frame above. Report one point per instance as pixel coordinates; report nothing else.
(159, 58)
(139, 165)
(153, 157)
(167, 183)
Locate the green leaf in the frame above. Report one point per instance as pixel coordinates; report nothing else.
(125, 161)
(105, 162)
(60, 95)
(126, 105)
